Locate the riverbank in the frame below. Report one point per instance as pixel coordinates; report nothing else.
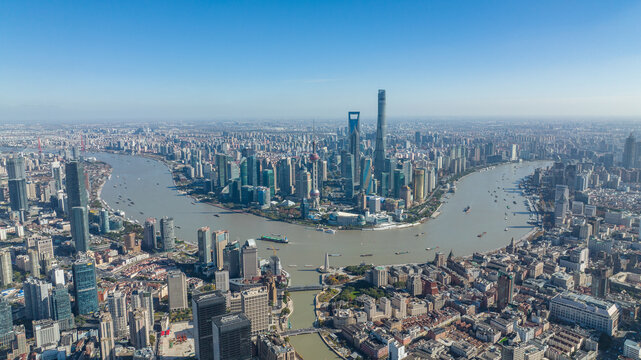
(390, 226)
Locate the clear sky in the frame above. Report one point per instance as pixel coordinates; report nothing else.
(122, 60)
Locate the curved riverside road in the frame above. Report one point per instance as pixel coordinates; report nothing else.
(144, 188)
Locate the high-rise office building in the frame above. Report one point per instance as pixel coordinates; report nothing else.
(177, 288)
(145, 300)
(80, 228)
(34, 263)
(117, 307)
(106, 334)
(167, 234)
(205, 306)
(601, 282)
(138, 330)
(6, 271)
(61, 307)
(17, 184)
(220, 239)
(104, 221)
(231, 337)
(250, 260)
(419, 184)
(204, 245)
(232, 260)
(222, 280)
(252, 170)
(6, 318)
(56, 173)
(629, 152)
(379, 152)
(269, 181)
(77, 192)
(255, 304)
(46, 332)
(367, 178)
(149, 235)
(505, 290)
(354, 134)
(37, 299)
(85, 288)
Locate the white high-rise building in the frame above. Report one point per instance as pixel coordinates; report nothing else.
(222, 280)
(144, 299)
(250, 260)
(117, 306)
(177, 287)
(105, 332)
(6, 273)
(255, 304)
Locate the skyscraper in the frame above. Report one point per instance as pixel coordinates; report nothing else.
(144, 299)
(204, 245)
(231, 337)
(167, 234)
(17, 184)
(149, 235)
(77, 199)
(56, 173)
(222, 280)
(629, 152)
(220, 238)
(117, 307)
(177, 288)
(505, 290)
(419, 184)
(6, 272)
(354, 133)
(255, 304)
(106, 336)
(36, 299)
(85, 288)
(138, 330)
(104, 221)
(379, 152)
(250, 260)
(61, 307)
(80, 228)
(6, 318)
(252, 170)
(268, 181)
(232, 260)
(367, 180)
(205, 306)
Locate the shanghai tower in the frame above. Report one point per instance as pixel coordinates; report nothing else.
(379, 152)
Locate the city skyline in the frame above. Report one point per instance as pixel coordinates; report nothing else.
(123, 62)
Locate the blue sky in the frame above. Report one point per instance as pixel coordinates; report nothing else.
(175, 60)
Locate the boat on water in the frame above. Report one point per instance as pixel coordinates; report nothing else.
(216, 215)
(467, 209)
(330, 231)
(506, 229)
(366, 255)
(481, 234)
(334, 255)
(401, 252)
(506, 218)
(293, 265)
(276, 239)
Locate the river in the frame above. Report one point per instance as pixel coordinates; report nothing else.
(148, 183)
